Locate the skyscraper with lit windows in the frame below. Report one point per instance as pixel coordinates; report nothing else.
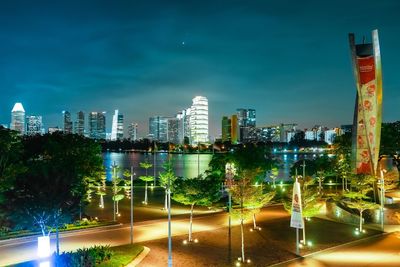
(247, 123)
(34, 125)
(97, 125)
(67, 122)
(18, 118)
(199, 120)
(132, 131)
(117, 130)
(80, 123)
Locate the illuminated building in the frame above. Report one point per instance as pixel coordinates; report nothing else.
(226, 129)
(247, 123)
(330, 136)
(199, 120)
(234, 129)
(117, 129)
(97, 125)
(184, 125)
(18, 118)
(67, 128)
(132, 130)
(33, 125)
(158, 128)
(284, 130)
(80, 123)
(51, 130)
(173, 130)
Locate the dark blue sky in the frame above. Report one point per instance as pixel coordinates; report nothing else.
(287, 59)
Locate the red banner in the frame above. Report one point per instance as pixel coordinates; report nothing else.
(367, 109)
(366, 69)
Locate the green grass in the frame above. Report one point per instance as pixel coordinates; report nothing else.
(26, 233)
(123, 255)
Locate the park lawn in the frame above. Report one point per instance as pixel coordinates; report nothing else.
(123, 255)
(27, 233)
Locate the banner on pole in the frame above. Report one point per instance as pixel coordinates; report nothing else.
(296, 219)
(368, 110)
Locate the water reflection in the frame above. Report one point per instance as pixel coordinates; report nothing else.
(185, 165)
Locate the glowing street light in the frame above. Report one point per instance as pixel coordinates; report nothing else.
(382, 199)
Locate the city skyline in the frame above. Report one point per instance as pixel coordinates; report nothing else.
(290, 62)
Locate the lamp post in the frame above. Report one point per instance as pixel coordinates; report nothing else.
(198, 159)
(382, 199)
(229, 174)
(132, 204)
(154, 163)
(169, 224)
(114, 168)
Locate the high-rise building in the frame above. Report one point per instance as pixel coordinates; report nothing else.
(97, 125)
(173, 130)
(247, 123)
(158, 128)
(67, 122)
(330, 135)
(34, 125)
(117, 130)
(234, 129)
(184, 125)
(54, 129)
(18, 118)
(132, 131)
(80, 123)
(199, 120)
(284, 129)
(226, 129)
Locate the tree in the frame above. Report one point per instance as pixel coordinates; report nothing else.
(311, 205)
(146, 178)
(101, 187)
(127, 183)
(196, 191)
(249, 198)
(11, 150)
(168, 176)
(117, 186)
(51, 192)
(257, 200)
(342, 151)
(358, 199)
(390, 139)
(274, 175)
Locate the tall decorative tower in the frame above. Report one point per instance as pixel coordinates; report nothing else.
(368, 108)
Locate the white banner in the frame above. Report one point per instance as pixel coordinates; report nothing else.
(296, 220)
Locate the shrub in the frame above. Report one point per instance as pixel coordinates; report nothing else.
(85, 257)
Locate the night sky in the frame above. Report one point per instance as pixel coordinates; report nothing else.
(289, 60)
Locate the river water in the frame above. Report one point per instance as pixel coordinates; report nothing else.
(185, 165)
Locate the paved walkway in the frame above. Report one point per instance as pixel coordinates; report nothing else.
(273, 244)
(379, 251)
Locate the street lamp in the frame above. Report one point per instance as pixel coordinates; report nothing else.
(169, 224)
(382, 199)
(230, 172)
(114, 168)
(132, 174)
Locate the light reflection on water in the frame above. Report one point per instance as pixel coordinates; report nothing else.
(187, 165)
